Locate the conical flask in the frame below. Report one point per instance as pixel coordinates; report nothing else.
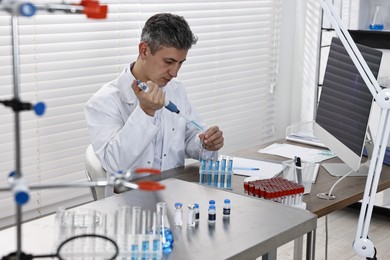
(164, 227)
(377, 21)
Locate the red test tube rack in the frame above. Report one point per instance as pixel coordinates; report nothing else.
(276, 189)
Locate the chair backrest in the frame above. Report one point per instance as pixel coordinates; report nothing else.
(94, 172)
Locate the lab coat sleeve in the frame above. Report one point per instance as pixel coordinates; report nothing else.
(120, 144)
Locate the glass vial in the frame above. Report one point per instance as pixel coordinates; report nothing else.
(191, 216)
(377, 21)
(178, 214)
(226, 208)
(212, 214)
(196, 212)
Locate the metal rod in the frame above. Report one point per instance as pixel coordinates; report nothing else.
(18, 174)
(121, 183)
(67, 8)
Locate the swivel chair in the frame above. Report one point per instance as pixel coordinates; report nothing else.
(94, 172)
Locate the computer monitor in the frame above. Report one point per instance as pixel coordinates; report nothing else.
(344, 108)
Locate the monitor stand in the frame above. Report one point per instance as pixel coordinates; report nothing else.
(341, 169)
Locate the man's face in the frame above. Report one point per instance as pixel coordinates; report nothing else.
(163, 65)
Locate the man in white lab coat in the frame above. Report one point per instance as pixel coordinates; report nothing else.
(130, 128)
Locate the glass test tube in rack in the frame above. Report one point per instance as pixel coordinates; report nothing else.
(217, 173)
(138, 233)
(276, 189)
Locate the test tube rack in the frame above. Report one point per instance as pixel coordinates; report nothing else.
(276, 189)
(134, 230)
(216, 173)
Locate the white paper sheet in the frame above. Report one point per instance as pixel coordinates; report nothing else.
(290, 151)
(255, 168)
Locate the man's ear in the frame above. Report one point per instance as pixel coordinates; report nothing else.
(142, 48)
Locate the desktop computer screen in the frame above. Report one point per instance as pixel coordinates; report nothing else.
(344, 107)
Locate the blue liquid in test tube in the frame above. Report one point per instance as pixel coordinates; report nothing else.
(210, 173)
(202, 170)
(223, 170)
(134, 251)
(230, 173)
(216, 171)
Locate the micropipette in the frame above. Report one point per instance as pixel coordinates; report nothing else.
(170, 106)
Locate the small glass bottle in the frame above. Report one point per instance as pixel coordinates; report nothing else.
(196, 212)
(191, 216)
(377, 21)
(226, 208)
(178, 214)
(212, 214)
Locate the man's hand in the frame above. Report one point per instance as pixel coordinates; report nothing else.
(150, 101)
(212, 139)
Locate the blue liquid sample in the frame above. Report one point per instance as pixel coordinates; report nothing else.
(145, 245)
(223, 169)
(167, 241)
(376, 27)
(145, 250)
(202, 171)
(216, 171)
(210, 172)
(230, 173)
(134, 251)
(156, 245)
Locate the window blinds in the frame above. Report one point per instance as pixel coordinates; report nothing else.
(229, 74)
(310, 74)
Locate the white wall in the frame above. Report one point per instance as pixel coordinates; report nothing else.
(298, 57)
(286, 91)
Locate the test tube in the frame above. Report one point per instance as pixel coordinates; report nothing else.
(223, 170)
(145, 237)
(230, 173)
(124, 225)
(216, 172)
(202, 171)
(135, 226)
(156, 235)
(148, 221)
(210, 172)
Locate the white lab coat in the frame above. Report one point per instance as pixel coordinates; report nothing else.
(122, 133)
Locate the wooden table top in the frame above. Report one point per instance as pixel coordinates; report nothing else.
(347, 192)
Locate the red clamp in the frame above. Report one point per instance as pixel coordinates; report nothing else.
(92, 9)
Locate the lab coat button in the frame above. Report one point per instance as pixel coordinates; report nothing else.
(165, 154)
(148, 162)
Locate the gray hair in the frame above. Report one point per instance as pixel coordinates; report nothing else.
(167, 30)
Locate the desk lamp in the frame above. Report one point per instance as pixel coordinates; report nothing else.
(362, 245)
